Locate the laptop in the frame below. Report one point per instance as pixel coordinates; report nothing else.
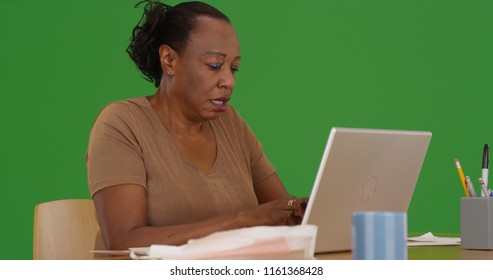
(362, 170)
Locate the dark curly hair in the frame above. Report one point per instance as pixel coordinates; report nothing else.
(165, 25)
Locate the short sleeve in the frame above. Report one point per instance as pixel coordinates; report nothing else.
(114, 156)
(260, 165)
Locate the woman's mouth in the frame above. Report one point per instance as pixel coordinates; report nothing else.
(220, 104)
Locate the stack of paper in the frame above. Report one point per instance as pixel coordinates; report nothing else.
(261, 242)
(428, 239)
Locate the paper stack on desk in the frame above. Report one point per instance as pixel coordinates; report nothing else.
(428, 239)
(261, 242)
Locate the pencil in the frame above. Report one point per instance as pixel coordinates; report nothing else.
(461, 176)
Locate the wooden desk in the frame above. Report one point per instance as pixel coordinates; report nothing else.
(425, 253)
(414, 253)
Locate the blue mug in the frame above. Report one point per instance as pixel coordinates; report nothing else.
(379, 235)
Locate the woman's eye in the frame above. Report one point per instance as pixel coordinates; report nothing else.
(218, 67)
(214, 66)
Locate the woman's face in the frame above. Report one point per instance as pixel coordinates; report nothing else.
(204, 73)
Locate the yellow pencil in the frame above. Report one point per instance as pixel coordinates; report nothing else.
(461, 175)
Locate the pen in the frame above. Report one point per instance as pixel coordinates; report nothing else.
(461, 176)
(483, 188)
(470, 187)
(486, 161)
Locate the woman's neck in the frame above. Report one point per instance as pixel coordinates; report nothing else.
(172, 116)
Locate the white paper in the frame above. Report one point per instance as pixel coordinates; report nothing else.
(252, 242)
(428, 239)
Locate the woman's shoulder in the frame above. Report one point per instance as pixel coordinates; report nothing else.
(124, 114)
(123, 109)
(124, 106)
(232, 120)
(231, 114)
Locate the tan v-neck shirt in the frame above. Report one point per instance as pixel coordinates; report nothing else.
(129, 145)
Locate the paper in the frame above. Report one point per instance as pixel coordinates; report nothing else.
(261, 242)
(428, 239)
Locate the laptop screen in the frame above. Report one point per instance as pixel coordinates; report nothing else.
(362, 170)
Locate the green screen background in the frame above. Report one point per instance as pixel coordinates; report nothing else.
(306, 66)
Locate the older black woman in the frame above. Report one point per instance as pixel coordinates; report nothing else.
(181, 163)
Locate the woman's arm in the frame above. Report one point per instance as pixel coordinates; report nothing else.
(272, 188)
(122, 215)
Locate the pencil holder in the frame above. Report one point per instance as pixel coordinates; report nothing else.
(476, 223)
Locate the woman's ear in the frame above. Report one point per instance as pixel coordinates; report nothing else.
(167, 57)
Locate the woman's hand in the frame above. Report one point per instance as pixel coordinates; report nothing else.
(284, 211)
(275, 206)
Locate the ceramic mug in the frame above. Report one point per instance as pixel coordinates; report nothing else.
(379, 235)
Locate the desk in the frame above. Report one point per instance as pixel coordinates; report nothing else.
(414, 253)
(425, 253)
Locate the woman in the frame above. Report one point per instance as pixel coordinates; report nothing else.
(182, 164)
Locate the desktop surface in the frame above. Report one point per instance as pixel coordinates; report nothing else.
(414, 253)
(425, 253)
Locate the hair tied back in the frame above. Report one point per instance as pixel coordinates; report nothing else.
(144, 43)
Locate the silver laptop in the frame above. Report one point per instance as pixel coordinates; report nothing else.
(362, 170)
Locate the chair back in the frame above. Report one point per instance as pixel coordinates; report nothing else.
(65, 229)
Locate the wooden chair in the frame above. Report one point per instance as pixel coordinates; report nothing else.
(65, 229)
